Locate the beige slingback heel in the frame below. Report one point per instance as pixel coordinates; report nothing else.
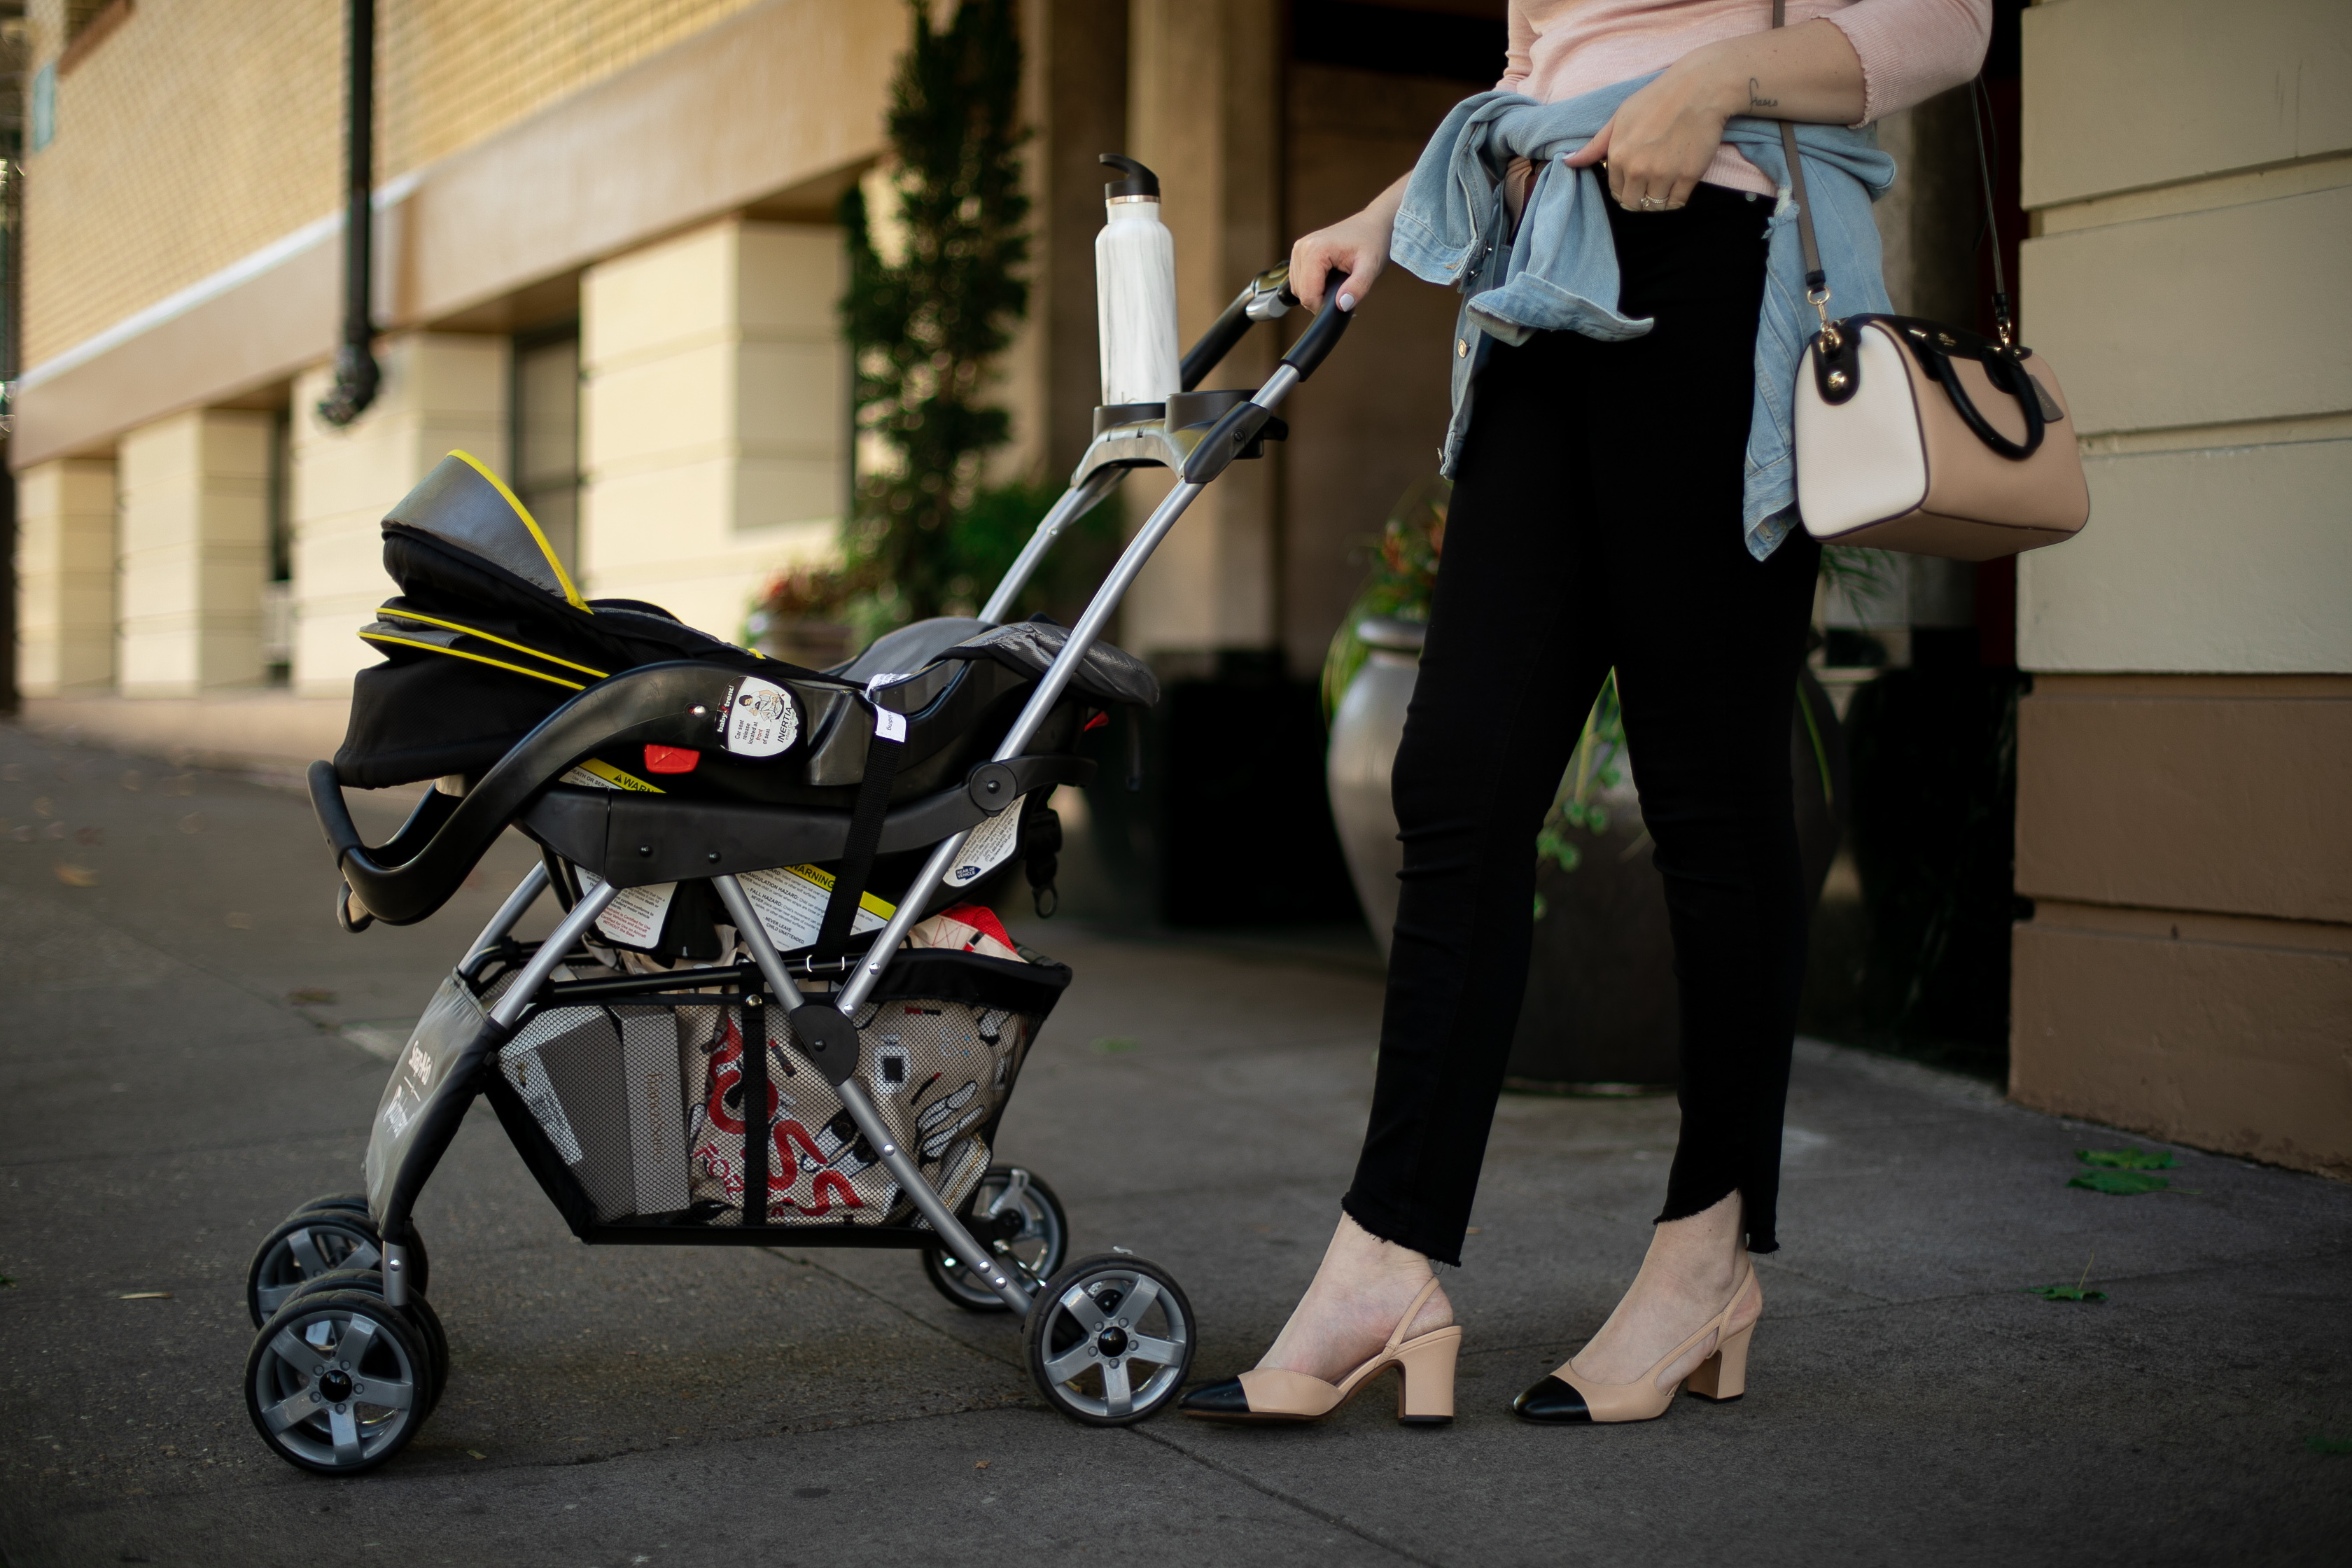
(1425, 1389)
(1566, 1399)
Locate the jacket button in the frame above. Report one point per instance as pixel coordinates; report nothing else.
(1462, 348)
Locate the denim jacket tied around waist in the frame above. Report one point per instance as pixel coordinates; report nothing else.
(1558, 273)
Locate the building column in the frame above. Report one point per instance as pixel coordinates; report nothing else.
(65, 576)
(1204, 107)
(193, 553)
(714, 419)
(441, 392)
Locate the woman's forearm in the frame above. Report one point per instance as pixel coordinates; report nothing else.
(1383, 208)
(1808, 73)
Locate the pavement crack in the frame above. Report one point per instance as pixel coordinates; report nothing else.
(1276, 1494)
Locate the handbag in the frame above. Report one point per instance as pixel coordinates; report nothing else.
(1931, 439)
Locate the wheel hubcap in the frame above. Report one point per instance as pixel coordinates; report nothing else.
(1111, 1342)
(336, 1386)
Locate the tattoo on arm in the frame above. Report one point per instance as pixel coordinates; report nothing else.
(1756, 98)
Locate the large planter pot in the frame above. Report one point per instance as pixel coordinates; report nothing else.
(1599, 1014)
(1364, 734)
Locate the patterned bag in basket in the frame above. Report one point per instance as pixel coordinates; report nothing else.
(938, 1071)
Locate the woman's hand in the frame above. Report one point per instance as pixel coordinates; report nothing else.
(1358, 246)
(1662, 139)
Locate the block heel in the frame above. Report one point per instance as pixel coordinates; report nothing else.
(1723, 1376)
(1425, 1377)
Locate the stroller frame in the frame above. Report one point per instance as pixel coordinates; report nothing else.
(450, 1059)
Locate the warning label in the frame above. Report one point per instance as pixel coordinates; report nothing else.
(790, 901)
(987, 848)
(633, 918)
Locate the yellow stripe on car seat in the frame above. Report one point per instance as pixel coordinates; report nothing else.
(570, 594)
(478, 658)
(471, 632)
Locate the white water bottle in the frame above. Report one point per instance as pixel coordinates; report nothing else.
(1135, 290)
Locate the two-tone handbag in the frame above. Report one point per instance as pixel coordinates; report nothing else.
(1927, 439)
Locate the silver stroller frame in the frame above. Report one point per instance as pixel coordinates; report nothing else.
(1195, 433)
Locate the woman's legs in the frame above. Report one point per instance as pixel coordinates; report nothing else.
(1513, 661)
(1595, 523)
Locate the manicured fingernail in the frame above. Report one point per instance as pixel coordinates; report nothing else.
(1347, 302)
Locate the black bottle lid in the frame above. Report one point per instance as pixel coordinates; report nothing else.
(1139, 181)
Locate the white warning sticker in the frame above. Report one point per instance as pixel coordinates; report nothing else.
(790, 901)
(634, 917)
(987, 848)
(761, 718)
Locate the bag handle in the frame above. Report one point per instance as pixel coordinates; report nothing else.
(1817, 288)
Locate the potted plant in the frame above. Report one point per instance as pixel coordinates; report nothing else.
(1599, 1014)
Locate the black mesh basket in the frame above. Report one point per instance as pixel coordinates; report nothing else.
(632, 1114)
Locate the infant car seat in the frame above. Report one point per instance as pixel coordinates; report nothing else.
(588, 721)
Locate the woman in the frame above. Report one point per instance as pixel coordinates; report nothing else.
(1622, 499)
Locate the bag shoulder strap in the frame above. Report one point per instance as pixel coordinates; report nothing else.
(1817, 287)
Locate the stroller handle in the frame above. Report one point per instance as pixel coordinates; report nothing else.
(1323, 333)
(1265, 295)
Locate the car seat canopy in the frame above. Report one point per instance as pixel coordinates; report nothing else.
(464, 505)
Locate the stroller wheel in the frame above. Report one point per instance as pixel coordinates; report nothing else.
(1039, 1246)
(1110, 1339)
(311, 1242)
(336, 1383)
(421, 1316)
(355, 1203)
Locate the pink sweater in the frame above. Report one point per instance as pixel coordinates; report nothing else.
(1910, 49)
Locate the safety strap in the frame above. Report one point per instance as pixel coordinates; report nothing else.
(756, 1136)
(882, 753)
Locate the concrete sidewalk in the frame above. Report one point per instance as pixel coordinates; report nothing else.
(185, 1056)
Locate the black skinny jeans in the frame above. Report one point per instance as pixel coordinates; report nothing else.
(1595, 522)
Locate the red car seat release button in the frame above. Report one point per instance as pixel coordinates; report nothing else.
(671, 759)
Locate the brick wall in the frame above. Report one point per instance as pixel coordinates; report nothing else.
(200, 132)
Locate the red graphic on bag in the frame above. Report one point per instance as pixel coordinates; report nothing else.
(829, 1158)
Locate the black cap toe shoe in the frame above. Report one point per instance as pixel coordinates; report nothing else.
(1218, 1401)
(1552, 1401)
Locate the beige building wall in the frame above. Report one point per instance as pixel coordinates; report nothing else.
(259, 88)
(65, 576)
(441, 392)
(2182, 758)
(714, 416)
(192, 552)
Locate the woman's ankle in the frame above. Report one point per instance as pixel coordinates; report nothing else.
(1362, 1286)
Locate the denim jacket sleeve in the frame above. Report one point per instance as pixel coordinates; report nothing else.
(1560, 273)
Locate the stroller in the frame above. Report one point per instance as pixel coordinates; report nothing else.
(770, 879)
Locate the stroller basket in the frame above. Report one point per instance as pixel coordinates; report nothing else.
(632, 1114)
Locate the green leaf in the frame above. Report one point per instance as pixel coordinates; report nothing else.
(2065, 1293)
(2328, 1445)
(1114, 1044)
(2127, 1159)
(2119, 1184)
(1542, 908)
